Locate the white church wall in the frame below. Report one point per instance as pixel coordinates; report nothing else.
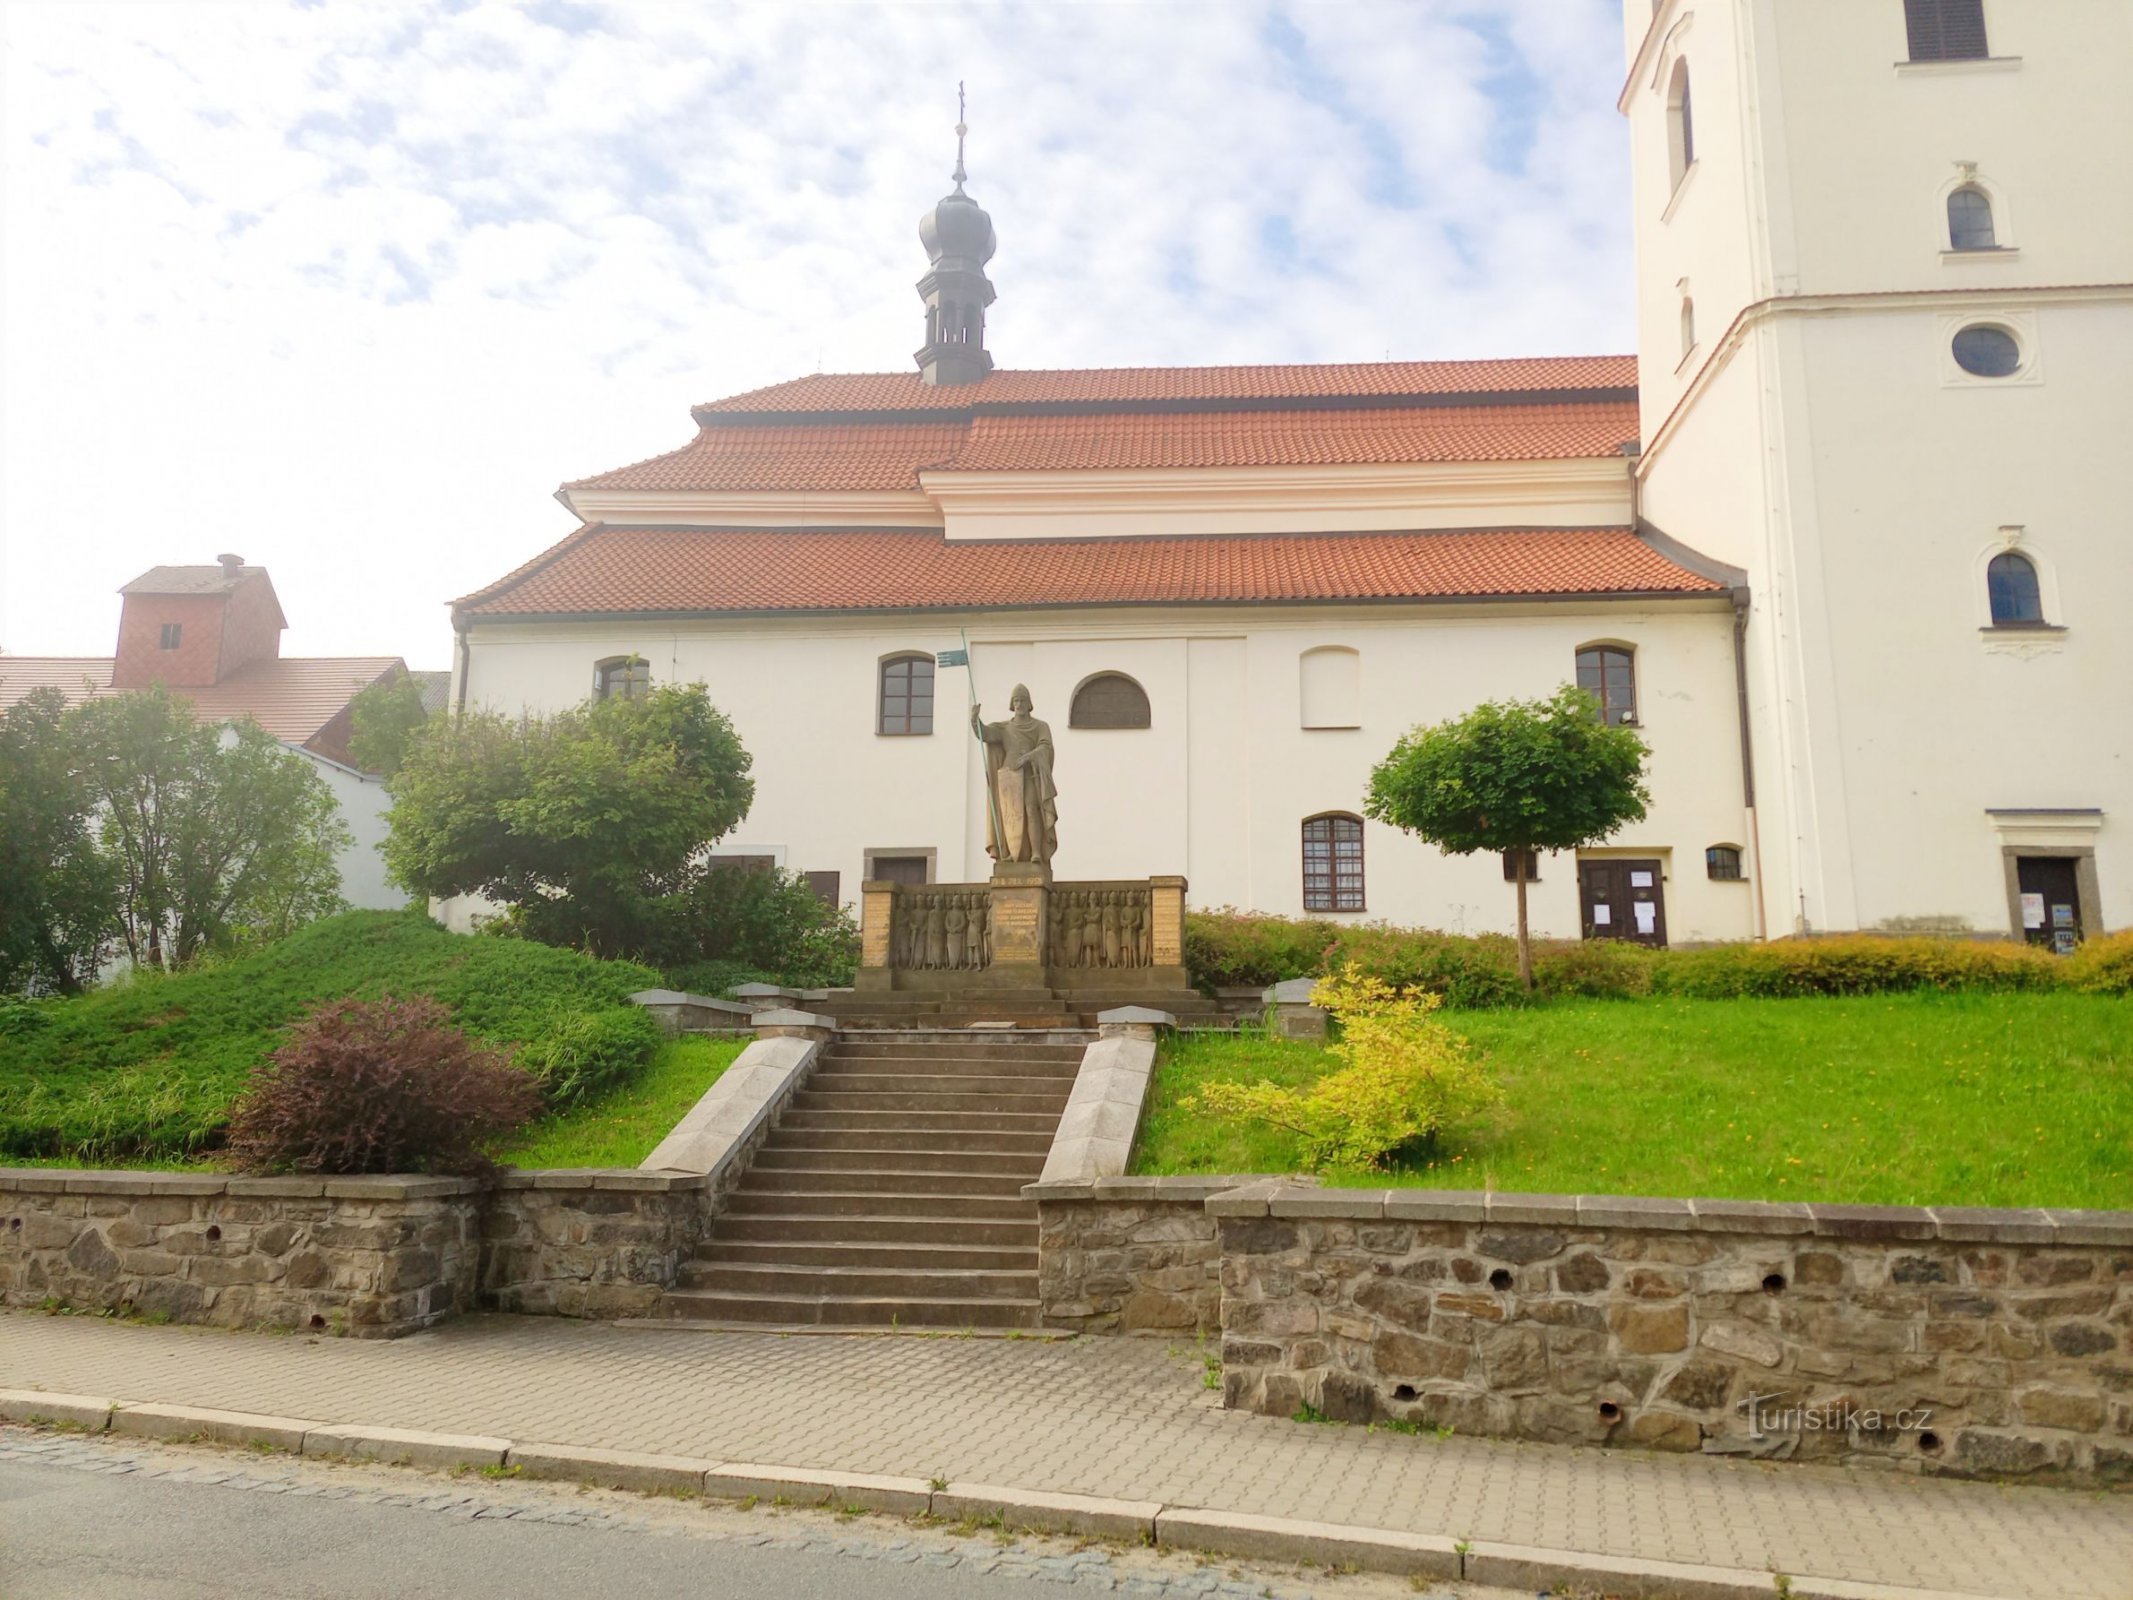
(364, 804)
(1219, 785)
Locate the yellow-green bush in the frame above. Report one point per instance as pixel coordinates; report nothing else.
(1856, 964)
(1405, 1077)
(2103, 965)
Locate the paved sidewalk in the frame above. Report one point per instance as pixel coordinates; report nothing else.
(1129, 1418)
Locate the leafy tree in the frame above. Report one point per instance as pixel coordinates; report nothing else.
(388, 716)
(58, 892)
(1517, 776)
(215, 834)
(583, 822)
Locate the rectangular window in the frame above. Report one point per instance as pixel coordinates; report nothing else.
(1333, 864)
(172, 633)
(826, 886)
(906, 695)
(900, 869)
(1945, 30)
(1510, 865)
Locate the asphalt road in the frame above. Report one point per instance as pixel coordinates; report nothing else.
(105, 1518)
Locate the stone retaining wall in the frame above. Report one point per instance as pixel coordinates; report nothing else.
(588, 1243)
(1129, 1255)
(1969, 1341)
(375, 1257)
(371, 1256)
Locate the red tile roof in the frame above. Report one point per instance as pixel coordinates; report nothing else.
(603, 570)
(828, 456)
(292, 697)
(903, 391)
(822, 456)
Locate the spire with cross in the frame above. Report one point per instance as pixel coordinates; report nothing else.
(962, 127)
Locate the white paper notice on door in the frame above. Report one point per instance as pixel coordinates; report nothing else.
(1602, 916)
(2032, 911)
(1647, 916)
(1640, 880)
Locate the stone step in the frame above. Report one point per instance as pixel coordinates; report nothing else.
(778, 1282)
(840, 1202)
(1046, 1122)
(927, 1157)
(819, 1311)
(819, 1229)
(883, 1181)
(855, 1078)
(882, 1255)
(915, 1137)
(992, 1047)
(811, 1099)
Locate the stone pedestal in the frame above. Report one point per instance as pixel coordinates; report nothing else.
(1020, 892)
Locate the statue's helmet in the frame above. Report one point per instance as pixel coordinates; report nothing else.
(1019, 700)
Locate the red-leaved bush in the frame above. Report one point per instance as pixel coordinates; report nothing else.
(379, 1086)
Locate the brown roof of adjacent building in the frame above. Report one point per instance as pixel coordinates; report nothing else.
(601, 570)
(294, 698)
(1113, 386)
(191, 580)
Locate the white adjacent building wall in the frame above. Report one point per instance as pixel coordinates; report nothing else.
(1820, 435)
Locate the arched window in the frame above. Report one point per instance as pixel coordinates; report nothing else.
(1109, 700)
(2011, 587)
(1688, 325)
(1330, 687)
(1608, 672)
(906, 704)
(1722, 862)
(622, 678)
(1970, 220)
(1333, 862)
(1680, 124)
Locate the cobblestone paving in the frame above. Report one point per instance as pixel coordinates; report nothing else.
(1122, 1417)
(1042, 1559)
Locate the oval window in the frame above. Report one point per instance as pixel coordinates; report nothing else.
(1987, 352)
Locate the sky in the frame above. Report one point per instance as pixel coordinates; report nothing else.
(348, 288)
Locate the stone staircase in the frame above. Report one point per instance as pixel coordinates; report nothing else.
(890, 1193)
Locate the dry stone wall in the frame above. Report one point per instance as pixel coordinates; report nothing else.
(1965, 1341)
(1129, 1255)
(588, 1243)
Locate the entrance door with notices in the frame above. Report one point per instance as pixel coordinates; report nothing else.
(2051, 906)
(1622, 899)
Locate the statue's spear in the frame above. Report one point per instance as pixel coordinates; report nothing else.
(961, 658)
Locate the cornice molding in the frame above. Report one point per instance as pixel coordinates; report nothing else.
(721, 508)
(1588, 490)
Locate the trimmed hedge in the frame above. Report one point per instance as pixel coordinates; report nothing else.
(1226, 949)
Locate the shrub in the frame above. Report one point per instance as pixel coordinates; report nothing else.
(1470, 972)
(582, 1055)
(2102, 965)
(1405, 1078)
(379, 1086)
(1855, 964)
(764, 919)
(1595, 969)
(1242, 949)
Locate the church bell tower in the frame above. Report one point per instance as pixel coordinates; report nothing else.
(959, 240)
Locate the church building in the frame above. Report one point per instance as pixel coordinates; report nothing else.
(1841, 540)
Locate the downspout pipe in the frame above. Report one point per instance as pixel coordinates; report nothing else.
(465, 653)
(1747, 754)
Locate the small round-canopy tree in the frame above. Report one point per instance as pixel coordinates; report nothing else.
(583, 822)
(1516, 776)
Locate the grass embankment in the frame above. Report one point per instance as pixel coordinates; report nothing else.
(145, 1071)
(2006, 1099)
(621, 1129)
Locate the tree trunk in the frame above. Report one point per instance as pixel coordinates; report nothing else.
(1525, 940)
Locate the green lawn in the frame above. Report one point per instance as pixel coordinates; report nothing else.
(621, 1130)
(2011, 1100)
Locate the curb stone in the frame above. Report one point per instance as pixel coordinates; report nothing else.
(242, 1428)
(1180, 1528)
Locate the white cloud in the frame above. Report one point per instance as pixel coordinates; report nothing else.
(349, 289)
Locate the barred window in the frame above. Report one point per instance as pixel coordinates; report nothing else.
(906, 695)
(1333, 863)
(1945, 30)
(1722, 861)
(1510, 865)
(1109, 700)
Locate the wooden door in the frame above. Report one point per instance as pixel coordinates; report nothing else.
(1622, 899)
(2051, 904)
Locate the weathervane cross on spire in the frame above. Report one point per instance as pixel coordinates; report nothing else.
(961, 128)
